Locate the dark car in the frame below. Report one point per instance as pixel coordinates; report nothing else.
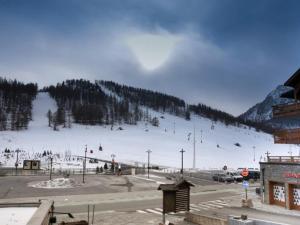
(222, 177)
(253, 175)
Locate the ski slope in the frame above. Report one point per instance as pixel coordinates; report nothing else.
(215, 145)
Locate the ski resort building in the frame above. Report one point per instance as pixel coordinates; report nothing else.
(280, 175)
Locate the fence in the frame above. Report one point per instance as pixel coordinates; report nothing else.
(11, 171)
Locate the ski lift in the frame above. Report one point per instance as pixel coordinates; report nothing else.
(189, 136)
(100, 148)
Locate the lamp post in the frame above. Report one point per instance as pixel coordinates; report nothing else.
(148, 151)
(17, 160)
(194, 148)
(113, 161)
(84, 164)
(182, 151)
(51, 162)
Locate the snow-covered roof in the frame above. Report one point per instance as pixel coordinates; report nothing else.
(16, 215)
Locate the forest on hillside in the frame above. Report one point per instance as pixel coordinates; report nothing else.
(100, 103)
(16, 104)
(226, 118)
(176, 106)
(87, 103)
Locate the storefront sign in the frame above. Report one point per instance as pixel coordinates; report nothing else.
(291, 175)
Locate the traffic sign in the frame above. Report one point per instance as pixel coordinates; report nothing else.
(245, 184)
(245, 173)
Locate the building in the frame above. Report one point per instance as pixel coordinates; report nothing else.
(280, 175)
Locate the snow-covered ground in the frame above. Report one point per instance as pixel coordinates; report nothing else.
(16, 215)
(215, 143)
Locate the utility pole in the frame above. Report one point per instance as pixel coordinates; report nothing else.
(84, 164)
(51, 162)
(268, 154)
(194, 147)
(113, 162)
(174, 127)
(17, 161)
(201, 136)
(182, 151)
(148, 151)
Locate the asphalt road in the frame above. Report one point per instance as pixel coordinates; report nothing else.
(127, 195)
(19, 186)
(136, 203)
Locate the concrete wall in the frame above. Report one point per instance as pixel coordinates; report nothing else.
(42, 215)
(232, 221)
(204, 220)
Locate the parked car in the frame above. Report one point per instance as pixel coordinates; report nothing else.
(236, 176)
(222, 177)
(253, 175)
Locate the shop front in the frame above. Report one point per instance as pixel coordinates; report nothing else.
(280, 182)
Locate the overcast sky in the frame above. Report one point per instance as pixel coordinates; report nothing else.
(226, 53)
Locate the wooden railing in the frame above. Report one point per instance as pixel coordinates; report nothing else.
(286, 110)
(291, 136)
(284, 159)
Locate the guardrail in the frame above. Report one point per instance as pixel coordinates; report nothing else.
(284, 159)
(10, 171)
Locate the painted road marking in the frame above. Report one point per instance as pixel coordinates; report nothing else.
(153, 211)
(141, 211)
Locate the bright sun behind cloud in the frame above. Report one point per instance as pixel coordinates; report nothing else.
(152, 50)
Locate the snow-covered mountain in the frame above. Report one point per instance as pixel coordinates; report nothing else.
(216, 144)
(262, 111)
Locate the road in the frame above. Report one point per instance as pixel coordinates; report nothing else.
(130, 198)
(137, 201)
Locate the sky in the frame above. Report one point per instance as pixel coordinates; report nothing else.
(226, 54)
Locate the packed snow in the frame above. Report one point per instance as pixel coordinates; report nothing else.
(55, 183)
(16, 215)
(216, 144)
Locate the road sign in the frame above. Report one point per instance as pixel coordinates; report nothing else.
(245, 172)
(245, 184)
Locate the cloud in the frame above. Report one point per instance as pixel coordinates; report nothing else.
(231, 53)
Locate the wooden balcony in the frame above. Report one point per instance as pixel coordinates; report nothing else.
(284, 159)
(286, 110)
(291, 136)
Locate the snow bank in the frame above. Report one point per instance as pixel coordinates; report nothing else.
(55, 183)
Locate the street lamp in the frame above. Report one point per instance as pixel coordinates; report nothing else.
(182, 151)
(84, 164)
(148, 151)
(51, 162)
(17, 160)
(113, 161)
